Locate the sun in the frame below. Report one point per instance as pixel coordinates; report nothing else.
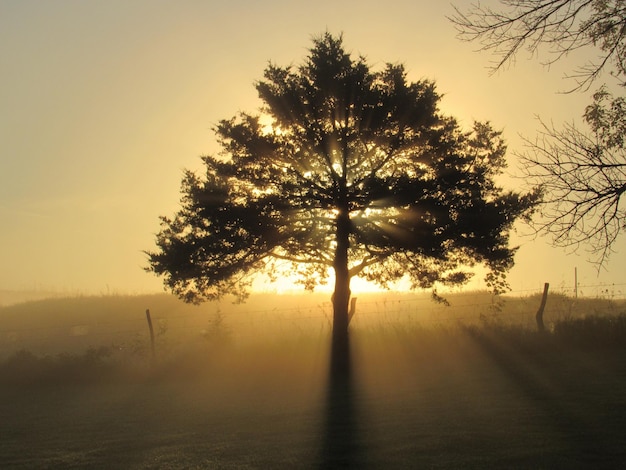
(289, 285)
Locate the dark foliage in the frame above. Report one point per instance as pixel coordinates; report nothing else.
(345, 169)
(26, 368)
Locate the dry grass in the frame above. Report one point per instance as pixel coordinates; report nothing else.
(239, 389)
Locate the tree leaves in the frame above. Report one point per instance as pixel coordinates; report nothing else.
(344, 167)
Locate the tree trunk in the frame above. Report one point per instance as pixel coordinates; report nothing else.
(341, 296)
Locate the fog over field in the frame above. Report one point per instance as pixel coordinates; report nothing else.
(472, 385)
(107, 107)
(73, 325)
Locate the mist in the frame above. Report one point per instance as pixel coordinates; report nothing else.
(469, 385)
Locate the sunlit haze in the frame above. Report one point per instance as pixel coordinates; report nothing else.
(105, 103)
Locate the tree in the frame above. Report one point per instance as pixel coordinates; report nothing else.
(583, 178)
(583, 174)
(344, 169)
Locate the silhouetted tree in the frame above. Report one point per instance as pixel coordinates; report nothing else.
(345, 169)
(583, 174)
(583, 179)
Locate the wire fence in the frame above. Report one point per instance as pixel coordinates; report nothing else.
(70, 325)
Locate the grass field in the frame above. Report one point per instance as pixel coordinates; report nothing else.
(478, 393)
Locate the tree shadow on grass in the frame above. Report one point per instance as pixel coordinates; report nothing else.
(340, 438)
(576, 404)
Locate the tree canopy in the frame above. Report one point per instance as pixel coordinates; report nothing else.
(343, 169)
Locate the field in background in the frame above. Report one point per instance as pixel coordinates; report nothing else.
(472, 385)
(75, 324)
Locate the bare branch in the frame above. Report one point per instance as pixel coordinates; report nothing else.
(561, 26)
(582, 181)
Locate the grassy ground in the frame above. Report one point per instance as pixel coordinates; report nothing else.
(73, 325)
(461, 396)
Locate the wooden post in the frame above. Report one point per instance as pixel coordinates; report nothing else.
(352, 309)
(542, 306)
(151, 334)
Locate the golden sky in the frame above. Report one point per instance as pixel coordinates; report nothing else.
(102, 105)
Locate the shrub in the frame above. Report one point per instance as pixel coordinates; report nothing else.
(593, 331)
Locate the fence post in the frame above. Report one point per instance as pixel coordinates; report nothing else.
(542, 306)
(352, 309)
(151, 334)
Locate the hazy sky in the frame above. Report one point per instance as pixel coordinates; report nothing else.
(102, 105)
